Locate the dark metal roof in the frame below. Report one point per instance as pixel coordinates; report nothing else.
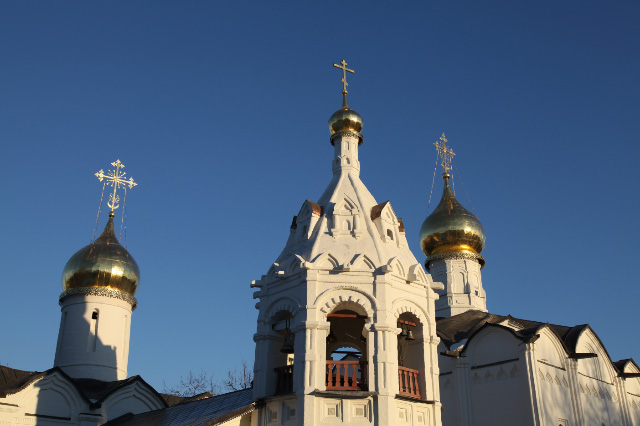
(459, 327)
(172, 400)
(92, 390)
(11, 379)
(202, 412)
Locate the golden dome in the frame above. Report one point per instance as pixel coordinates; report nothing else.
(346, 120)
(451, 228)
(103, 264)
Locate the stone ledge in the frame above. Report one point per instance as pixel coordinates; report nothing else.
(409, 399)
(344, 394)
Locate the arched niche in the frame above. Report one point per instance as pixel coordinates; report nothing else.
(598, 367)
(549, 349)
(492, 344)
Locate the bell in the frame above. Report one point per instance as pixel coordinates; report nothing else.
(287, 348)
(404, 332)
(331, 338)
(410, 335)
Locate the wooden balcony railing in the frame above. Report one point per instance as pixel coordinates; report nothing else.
(346, 375)
(284, 380)
(408, 380)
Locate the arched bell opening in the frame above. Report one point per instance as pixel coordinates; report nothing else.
(346, 356)
(410, 356)
(281, 350)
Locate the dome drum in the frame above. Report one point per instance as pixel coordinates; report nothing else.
(458, 256)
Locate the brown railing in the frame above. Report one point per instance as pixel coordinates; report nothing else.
(408, 379)
(284, 382)
(346, 375)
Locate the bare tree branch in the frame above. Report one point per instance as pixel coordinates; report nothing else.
(194, 384)
(238, 380)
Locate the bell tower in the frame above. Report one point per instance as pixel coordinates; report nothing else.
(346, 328)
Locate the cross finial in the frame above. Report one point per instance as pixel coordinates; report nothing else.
(116, 179)
(446, 152)
(343, 67)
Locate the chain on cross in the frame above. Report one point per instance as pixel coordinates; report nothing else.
(344, 69)
(115, 178)
(446, 152)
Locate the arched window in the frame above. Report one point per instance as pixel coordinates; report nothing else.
(280, 353)
(410, 356)
(346, 367)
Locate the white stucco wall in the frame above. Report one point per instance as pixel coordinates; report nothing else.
(91, 347)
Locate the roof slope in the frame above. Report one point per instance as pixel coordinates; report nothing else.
(11, 379)
(462, 326)
(203, 412)
(347, 195)
(92, 390)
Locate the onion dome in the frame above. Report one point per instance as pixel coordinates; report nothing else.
(451, 230)
(346, 120)
(104, 267)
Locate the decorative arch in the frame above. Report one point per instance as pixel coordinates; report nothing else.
(136, 398)
(347, 204)
(329, 299)
(285, 303)
(397, 266)
(362, 262)
(481, 345)
(556, 345)
(403, 305)
(326, 261)
(291, 265)
(48, 393)
(590, 340)
(416, 273)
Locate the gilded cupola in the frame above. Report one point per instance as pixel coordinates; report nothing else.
(345, 119)
(451, 230)
(105, 267)
(102, 267)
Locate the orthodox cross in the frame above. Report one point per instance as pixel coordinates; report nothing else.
(344, 69)
(115, 178)
(446, 152)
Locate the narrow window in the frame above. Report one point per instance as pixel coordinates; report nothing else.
(390, 234)
(93, 332)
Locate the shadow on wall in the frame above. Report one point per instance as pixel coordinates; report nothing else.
(87, 361)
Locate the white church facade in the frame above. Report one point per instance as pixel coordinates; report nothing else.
(351, 330)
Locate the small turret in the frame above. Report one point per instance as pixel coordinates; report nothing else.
(452, 238)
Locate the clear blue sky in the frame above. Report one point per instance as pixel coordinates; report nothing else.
(219, 111)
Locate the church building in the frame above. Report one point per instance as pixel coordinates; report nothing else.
(351, 330)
